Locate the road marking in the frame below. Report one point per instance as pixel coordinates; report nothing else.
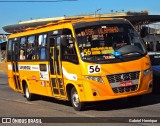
(17, 101)
(84, 114)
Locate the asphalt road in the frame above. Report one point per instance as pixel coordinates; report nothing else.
(114, 112)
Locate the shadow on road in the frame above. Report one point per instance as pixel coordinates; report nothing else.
(50, 99)
(117, 104)
(108, 105)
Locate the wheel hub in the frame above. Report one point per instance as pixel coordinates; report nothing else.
(75, 99)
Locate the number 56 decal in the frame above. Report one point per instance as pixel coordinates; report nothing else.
(94, 69)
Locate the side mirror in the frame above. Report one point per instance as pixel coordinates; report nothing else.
(144, 32)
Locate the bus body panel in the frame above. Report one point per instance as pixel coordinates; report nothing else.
(10, 76)
(90, 79)
(104, 90)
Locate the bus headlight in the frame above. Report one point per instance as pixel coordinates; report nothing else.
(95, 78)
(145, 72)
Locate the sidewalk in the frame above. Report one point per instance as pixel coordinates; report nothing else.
(3, 74)
(3, 68)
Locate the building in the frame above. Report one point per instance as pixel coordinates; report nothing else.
(3, 41)
(138, 19)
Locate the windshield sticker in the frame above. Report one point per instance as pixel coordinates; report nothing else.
(97, 50)
(94, 69)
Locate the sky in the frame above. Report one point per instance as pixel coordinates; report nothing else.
(13, 12)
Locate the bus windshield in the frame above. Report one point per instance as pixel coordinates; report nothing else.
(104, 42)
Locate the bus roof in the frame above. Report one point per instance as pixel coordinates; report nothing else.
(17, 28)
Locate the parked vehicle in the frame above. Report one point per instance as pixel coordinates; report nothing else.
(155, 61)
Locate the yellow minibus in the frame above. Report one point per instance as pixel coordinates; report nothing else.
(78, 59)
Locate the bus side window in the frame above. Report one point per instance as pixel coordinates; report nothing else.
(69, 52)
(31, 51)
(9, 50)
(43, 54)
(22, 48)
(42, 47)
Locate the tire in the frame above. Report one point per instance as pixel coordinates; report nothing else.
(77, 105)
(135, 100)
(27, 94)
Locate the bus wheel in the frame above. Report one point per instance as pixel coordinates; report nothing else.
(77, 105)
(28, 95)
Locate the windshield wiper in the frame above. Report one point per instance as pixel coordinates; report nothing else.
(132, 52)
(128, 49)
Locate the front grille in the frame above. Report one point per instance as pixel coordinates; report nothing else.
(123, 77)
(130, 78)
(125, 89)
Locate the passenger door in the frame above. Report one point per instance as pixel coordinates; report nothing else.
(14, 63)
(56, 76)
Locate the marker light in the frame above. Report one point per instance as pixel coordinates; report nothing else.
(145, 72)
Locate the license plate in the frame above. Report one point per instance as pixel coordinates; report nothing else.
(126, 83)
